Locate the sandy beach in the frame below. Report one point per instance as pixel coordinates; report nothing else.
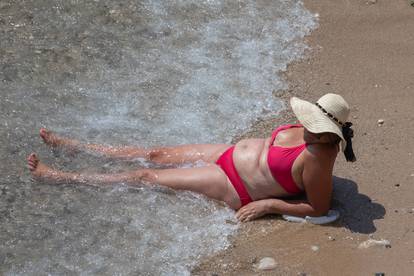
(363, 50)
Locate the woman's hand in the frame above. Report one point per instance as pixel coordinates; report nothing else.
(252, 210)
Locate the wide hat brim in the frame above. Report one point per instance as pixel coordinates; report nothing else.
(314, 120)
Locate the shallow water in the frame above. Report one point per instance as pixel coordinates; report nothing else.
(128, 72)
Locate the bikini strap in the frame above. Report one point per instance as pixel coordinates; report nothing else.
(282, 127)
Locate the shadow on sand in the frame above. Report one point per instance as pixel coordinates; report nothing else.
(358, 212)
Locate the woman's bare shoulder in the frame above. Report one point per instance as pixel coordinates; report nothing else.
(321, 152)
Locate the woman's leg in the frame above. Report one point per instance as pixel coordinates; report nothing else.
(162, 155)
(210, 180)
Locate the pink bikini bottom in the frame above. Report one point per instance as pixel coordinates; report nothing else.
(225, 161)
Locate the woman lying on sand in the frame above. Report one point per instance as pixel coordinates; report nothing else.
(254, 176)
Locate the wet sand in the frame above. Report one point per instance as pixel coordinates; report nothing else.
(363, 50)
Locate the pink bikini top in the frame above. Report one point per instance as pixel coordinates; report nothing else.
(280, 161)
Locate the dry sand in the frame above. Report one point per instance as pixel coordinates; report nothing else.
(363, 50)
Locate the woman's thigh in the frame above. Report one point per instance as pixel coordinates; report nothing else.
(187, 153)
(209, 180)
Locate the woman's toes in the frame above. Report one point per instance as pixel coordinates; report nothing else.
(32, 161)
(31, 157)
(50, 138)
(44, 133)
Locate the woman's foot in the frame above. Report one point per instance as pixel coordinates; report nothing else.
(43, 172)
(40, 170)
(52, 139)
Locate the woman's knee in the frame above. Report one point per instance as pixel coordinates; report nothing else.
(145, 175)
(158, 155)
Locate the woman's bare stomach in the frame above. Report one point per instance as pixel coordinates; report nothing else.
(250, 160)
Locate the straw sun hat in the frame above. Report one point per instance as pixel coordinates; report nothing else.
(329, 114)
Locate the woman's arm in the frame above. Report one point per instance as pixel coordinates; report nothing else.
(259, 208)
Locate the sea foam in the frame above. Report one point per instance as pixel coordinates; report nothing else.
(136, 73)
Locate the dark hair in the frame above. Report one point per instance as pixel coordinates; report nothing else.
(333, 138)
(348, 134)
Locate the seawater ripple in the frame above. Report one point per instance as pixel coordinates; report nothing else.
(138, 73)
